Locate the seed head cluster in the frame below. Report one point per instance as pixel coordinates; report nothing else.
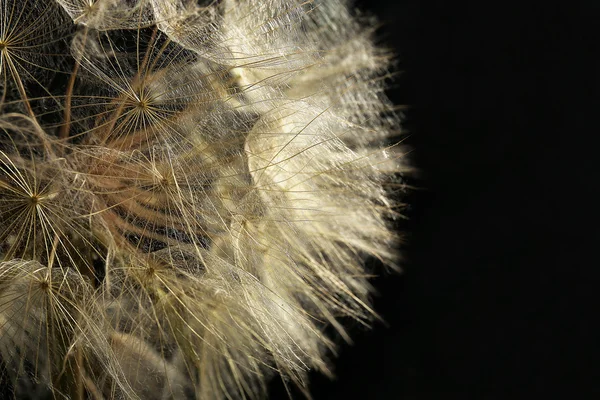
(188, 193)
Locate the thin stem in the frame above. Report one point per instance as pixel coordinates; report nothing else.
(21, 88)
(64, 130)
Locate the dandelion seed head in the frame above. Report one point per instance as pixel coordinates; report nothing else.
(188, 193)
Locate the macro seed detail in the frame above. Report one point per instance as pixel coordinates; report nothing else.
(188, 193)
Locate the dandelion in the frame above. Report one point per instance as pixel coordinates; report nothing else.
(188, 193)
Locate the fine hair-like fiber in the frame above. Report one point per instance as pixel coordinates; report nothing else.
(188, 193)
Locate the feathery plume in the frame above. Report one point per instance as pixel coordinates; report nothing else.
(188, 193)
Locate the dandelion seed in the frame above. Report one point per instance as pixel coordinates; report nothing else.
(188, 192)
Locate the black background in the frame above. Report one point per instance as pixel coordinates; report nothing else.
(499, 293)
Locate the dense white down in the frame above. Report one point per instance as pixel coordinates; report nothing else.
(188, 193)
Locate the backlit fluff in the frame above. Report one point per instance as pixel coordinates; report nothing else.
(188, 192)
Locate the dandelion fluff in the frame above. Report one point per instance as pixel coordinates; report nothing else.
(188, 193)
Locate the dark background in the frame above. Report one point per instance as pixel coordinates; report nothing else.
(499, 293)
